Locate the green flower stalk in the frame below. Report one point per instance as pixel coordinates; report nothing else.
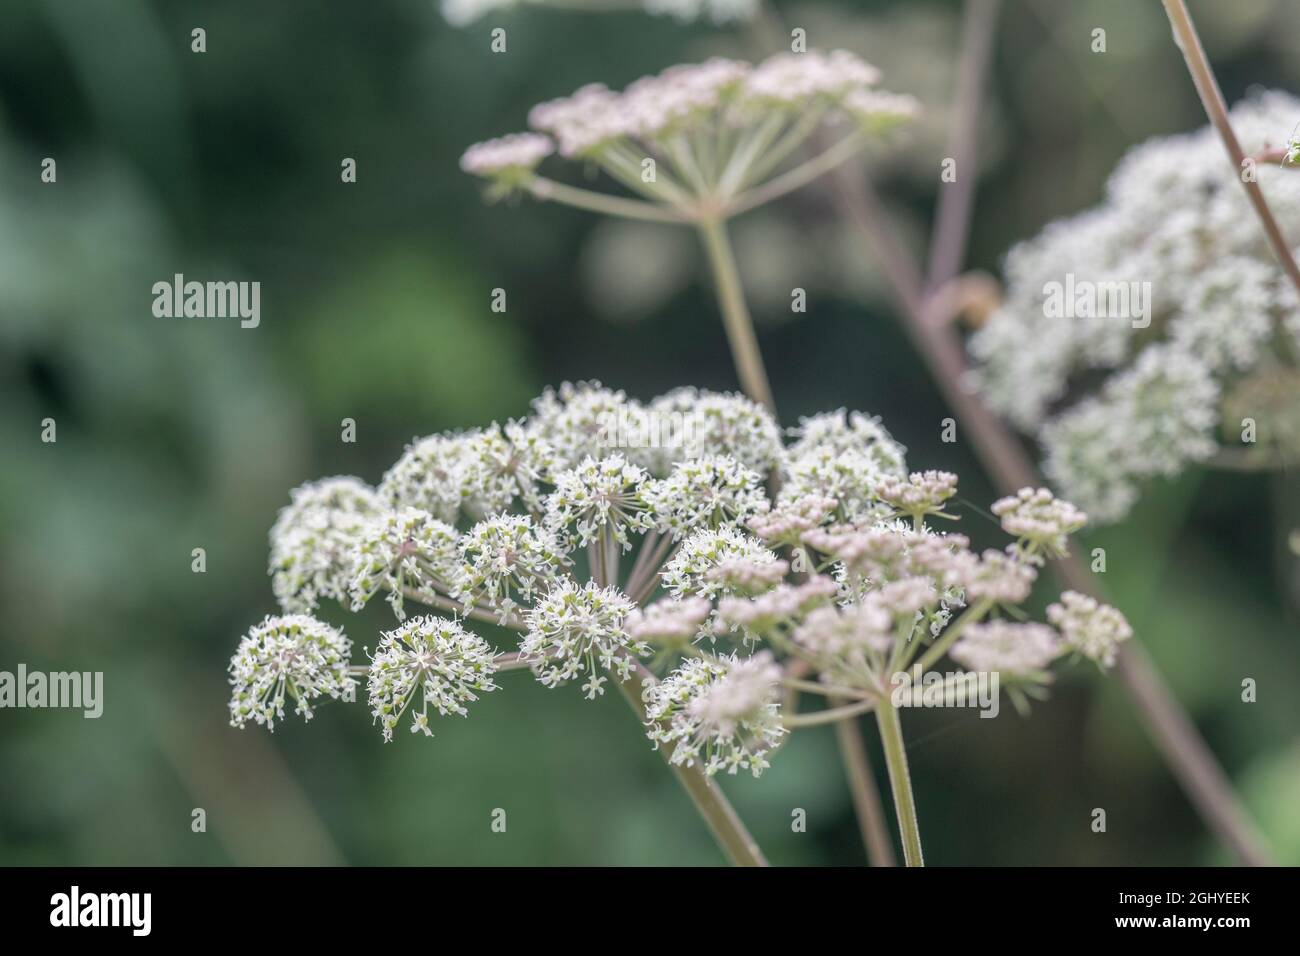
(698, 145)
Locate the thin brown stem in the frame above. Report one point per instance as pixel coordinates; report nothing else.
(727, 827)
(1207, 87)
(642, 585)
(442, 602)
(956, 199)
(866, 798)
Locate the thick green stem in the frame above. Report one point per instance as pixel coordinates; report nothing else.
(900, 782)
(709, 800)
(866, 799)
(735, 314)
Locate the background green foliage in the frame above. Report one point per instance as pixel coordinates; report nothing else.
(176, 434)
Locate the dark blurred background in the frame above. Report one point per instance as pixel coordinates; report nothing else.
(175, 434)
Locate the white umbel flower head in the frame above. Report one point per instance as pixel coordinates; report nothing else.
(747, 576)
(906, 597)
(507, 462)
(656, 107)
(505, 558)
(842, 456)
(1089, 627)
(1082, 447)
(704, 492)
(1169, 405)
(1152, 419)
(855, 588)
(875, 553)
(435, 658)
(690, 570)
(724, 424)
(430, 476)
(597, 498)
(850, 477)
(1166, 294)
(578, 629)
(1010, 649)
(583, 420)
(844, 431)
(403, 549)
(293, 657)
(1227, 313)
(1039, 518)
(721, 714)
(313, 537)
(583, 123)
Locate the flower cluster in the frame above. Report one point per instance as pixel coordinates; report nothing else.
(400, 550)
(614, 558)
(921, 495)
(700, 139)
(435, 657)
(723, 713)
(293, 656)
(1092, 629)
(312, 539)
(578, 629)
(1167, 287)
(1040, 518)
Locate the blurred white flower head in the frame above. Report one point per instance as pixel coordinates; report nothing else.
(1224, 317)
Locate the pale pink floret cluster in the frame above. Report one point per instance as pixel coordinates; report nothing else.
(1039, 517)
(744, 106)
(1011, 649)
(922, 492)
(1089, 627)
(794, 78)
(515, 152)
(670, 621)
